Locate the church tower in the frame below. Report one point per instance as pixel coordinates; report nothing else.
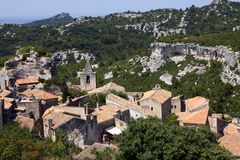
(87, 78)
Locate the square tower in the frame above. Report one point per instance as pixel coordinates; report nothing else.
(87, 78)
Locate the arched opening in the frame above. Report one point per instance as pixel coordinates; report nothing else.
(87, 79)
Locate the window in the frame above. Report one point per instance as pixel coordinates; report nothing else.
(88, 79)
(151, 108)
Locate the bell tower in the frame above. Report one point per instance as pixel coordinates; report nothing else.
(87, 78)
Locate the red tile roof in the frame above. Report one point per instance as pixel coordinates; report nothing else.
(231, 143)
(29, 80)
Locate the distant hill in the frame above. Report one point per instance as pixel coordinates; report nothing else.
(55, 20)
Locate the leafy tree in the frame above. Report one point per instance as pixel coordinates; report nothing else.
(147, 139)
(17, 143)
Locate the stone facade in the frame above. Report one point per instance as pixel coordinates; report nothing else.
(80, 128)
(87, 78)
(33, 109)
(178, 104)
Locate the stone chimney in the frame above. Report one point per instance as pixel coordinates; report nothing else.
(98, 106)
(69, 100)
(86, 110)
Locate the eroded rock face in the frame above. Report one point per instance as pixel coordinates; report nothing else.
(34, 65)
(63, 57)
(161, 52)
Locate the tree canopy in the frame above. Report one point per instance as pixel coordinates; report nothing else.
(148, 139)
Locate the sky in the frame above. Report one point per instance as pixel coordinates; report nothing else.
(28, 10)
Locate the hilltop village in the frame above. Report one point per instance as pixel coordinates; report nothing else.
(25, 100)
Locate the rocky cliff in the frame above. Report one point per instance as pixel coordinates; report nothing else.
(163, 52)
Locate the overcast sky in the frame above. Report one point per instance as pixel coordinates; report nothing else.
(25, 9)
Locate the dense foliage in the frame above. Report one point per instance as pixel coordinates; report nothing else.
(17, 143)
(3, 59)
(147, 139)
(106, 154)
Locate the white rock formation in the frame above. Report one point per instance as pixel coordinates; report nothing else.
(167, 78)
(108, 75)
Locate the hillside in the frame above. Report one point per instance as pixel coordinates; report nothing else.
(122, 42)
(61, 18)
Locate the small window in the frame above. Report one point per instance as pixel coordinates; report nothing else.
(88, 79)
(151, 108)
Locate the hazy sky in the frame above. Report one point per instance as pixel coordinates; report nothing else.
(44, 8)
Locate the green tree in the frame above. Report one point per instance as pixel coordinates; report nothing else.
(147, 139)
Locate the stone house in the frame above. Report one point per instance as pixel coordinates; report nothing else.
(8, 105)
(106, 118)
(47, 99)
(158, 101)
(75, 122)
(26, 83)
(129, 110)
(29, 114)
(87, 78)
(31, 107)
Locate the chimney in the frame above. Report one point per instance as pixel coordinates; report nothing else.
(50, 123)
(98, 106)
(69, 100)
(86, 110)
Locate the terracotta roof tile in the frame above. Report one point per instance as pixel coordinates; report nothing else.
(25, 122)
(40, 93)
(160, 95)
(195, 118)
(108, 87)
(4, 93)
(231, 143)
(29, 80)
(62, 114)
(8, 102)
(78, 111)
(58, 118)
(105, 113)
(231, 128)
(196, 102)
